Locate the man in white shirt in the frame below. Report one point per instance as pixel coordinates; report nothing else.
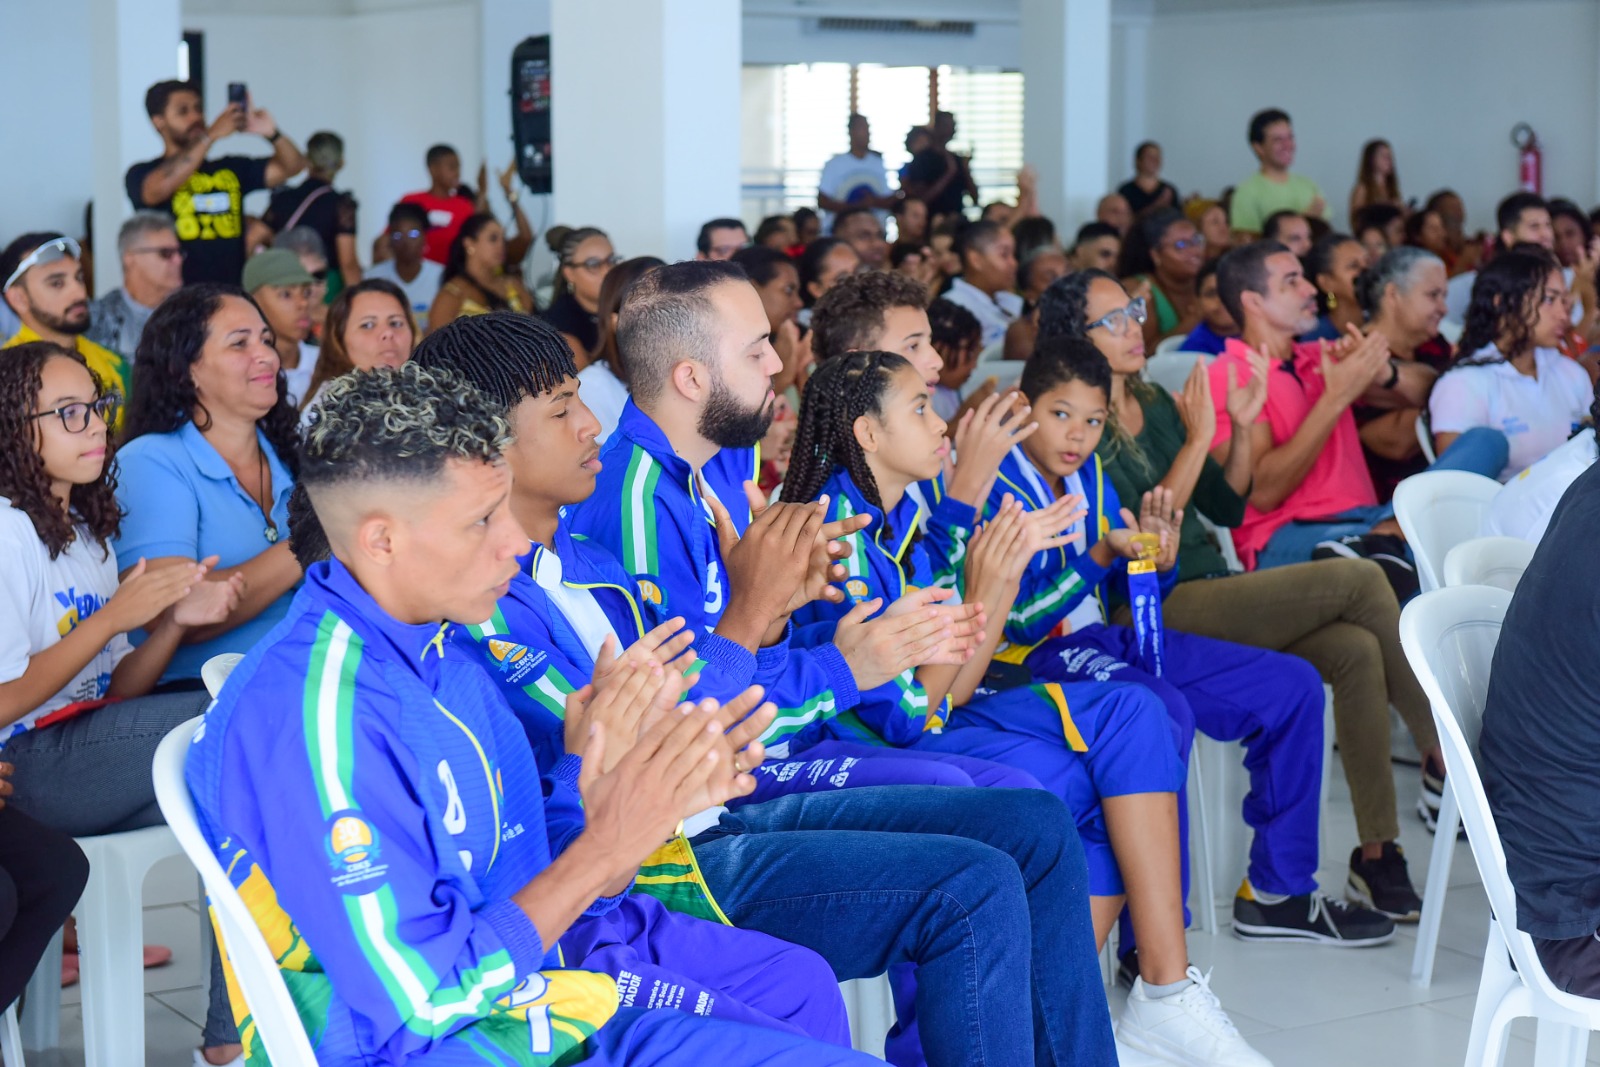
(856, 177)
(418, 277)
(1524, 507)
(988, 273)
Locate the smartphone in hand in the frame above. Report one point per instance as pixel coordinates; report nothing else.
(240, 95)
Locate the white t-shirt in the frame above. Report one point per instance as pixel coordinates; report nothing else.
(1523, 508)
(1536, 414)
(299, 378)
(604, 394)
(844, 177)
(43, 599)
(419, 291)
(994, 313)
(578, 606)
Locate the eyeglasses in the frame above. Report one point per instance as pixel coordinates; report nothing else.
(1117, 321)
(596, 262)
(75, 417)
(167, 254)
(400, 235)
(46, 254)
(1185, 243)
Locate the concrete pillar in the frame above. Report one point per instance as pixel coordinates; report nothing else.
(645, 99)
(1066, 113)
(1130, 71)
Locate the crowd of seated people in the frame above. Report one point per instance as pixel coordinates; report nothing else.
(653, 646)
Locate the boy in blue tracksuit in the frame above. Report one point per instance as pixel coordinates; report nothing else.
(383, 818)
(1270, 701)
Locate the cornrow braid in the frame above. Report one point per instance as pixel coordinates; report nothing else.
(507, 356)
(840, 391)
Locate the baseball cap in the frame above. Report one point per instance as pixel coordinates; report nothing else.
(275, 266)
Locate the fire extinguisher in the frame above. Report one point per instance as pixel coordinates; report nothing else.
(1530, 160)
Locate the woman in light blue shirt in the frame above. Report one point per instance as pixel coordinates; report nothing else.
(210, 460)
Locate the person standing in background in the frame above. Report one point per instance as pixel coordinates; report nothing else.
(1146, 192)
(1272, 188)
(855, 178)
(315, 203)
(1377, 181)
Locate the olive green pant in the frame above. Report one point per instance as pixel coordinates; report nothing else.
(1341, 616)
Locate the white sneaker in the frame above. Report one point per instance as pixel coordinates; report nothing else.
(1188, 1028)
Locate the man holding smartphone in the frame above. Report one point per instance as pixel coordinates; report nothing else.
(206, 197)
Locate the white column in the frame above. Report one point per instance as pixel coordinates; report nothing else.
(644, 96)
(1066, 114)
(132, 45)
(1132, 37)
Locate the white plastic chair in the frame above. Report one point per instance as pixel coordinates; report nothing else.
(1171, 344)
(11, 1037)
(1437, 510)
(1496, 561)
(1171, 369)
(215, 671)
(869, 1002)
(271, 1008)
(1449, 637)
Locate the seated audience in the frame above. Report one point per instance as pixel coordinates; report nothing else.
(584, 259)
(1113, 210)
(152, 270)
(824, 262)
(988, 272)
(918, 263)
(777, 231)
(855, 177)
(954, 333)
(1290, 228)
(1379, 227)
(1377, 180)
(1571, 233)
(1216, 325)
(720, 239)
(807, 226)
(1272, 188)
(406, 266)
(369, 326)
(1163, 253)
(1033, 277)
(41, 279)
(42, 875)
(1507, 374)
(1031, 234)
(206, 196)
(778, 284)
(282, 289)
(1333, 264)
(860, 229)
(1524, 507)
(209, 462)
(315, 203)
(1210, 217)
(308, 249)
(1146, 192)
(1425, 230)
(1097, 245)
(606, 380)
(475, 278)
(1522, 218)
(1464, 251)
(910, 220)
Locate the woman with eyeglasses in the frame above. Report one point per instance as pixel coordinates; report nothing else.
(586, 258)
(1164, 252)
(79, 721)
(475, 278)
(1338, 614)
(369, 326)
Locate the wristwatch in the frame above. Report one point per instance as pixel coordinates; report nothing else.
(272, 138)
(1394, 375)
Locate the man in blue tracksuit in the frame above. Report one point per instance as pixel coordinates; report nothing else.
(382, 815)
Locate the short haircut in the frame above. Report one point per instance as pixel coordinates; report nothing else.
(770, 225)
(762, 264)
(1262, 119)
(325, 150)
(976, 236)
(1509, 212)
(1395, 267)
(951, 324)
(1094, 231)
(157, 96)
(438, 152)
(1244, 270)
(703, 242)
(855, 117)
(137, 225)
(1377, 217)
(504, 355)
(849, 213)
(1137, 152)
(901, 251)
(1275, 221)
(1031, 234)
(849, 317)
(402, 213)
(1061, 359)
(302, 240)
(398, 424)
(667, 318)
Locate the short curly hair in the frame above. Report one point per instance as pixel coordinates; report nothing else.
(849, 317)
(399, 424)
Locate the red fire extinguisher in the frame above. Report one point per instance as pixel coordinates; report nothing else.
(1530, 160)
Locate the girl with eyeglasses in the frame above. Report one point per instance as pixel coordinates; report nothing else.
(586, 258)
(78, 720)
(1162, 256)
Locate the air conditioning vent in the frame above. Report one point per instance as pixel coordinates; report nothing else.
(947, 27)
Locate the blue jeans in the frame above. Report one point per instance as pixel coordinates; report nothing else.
(985, 890)
(1480, 450)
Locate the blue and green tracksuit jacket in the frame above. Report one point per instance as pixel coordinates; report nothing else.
(649, 511)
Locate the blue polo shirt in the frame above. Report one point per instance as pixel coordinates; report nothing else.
(179, 498)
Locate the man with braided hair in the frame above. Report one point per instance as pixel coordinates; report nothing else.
(381, 812)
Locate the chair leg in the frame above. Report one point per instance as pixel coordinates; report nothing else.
(110, 918)
(1486, 1040)
(1560, 1045)
(41, 1017)
(1202, 890)
(1444, 843)
(10, 1038)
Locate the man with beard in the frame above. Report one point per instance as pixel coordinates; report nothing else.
(41, 278)
(206, 197)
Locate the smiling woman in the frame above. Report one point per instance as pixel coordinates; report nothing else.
(369, 326)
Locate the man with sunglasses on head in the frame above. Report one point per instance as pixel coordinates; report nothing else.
(41, 278)
(152, 270)
(407, 265)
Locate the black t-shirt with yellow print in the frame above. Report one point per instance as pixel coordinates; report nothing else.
(208, 211)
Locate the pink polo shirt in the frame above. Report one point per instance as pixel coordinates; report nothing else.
(1336, 483)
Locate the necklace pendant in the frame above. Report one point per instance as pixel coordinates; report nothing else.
(272, 535)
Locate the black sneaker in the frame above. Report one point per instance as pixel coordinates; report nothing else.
(1128, 968)
(1309, 917)
(1386, 550)
(1432, 797)
(1384, 885)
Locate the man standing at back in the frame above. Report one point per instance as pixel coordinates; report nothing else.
(206, 197)
(446, 200)
(315, 203)
(939, 177)
(856, 177)
(1272, 188)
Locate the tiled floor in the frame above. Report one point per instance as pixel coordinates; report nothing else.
(1301, 1006)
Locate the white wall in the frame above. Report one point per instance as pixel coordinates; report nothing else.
(1444, 82)
(45, 133)
(786, 39)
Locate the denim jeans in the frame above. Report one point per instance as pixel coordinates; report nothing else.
(985, 890)
(1480, 450)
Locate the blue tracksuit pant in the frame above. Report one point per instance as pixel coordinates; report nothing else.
(829, 765)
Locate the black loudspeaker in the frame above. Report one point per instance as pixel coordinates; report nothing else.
(530, 112)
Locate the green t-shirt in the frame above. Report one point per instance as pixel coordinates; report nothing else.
(1256, 199)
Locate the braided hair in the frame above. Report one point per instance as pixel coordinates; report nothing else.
(506, 356)
(839, 392)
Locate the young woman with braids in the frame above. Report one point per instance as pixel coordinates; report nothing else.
(1338, 614)
(78, 721)
(1108, 750)
(369, 325)
(1508, 374)
(209, 461)
(475, 278)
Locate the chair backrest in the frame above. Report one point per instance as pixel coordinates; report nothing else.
(1171, 369)
(1496, 561)
(273, 1011)
(215, 670)
(1171, 344)
(1437, 510)
(1449, 637)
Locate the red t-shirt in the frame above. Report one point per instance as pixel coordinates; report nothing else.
(445, 216)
